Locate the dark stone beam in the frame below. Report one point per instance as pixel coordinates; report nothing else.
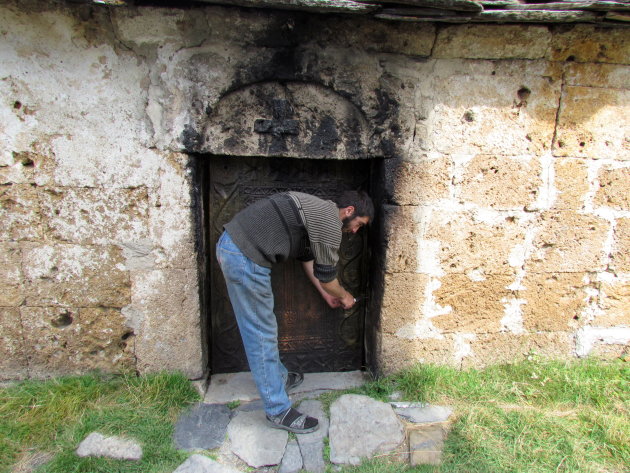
(325, 6)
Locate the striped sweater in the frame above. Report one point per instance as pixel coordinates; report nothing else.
(290, 225)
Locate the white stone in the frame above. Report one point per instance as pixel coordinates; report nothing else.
(361, 427)
(254, 441)
(97, 445)
(587, 337)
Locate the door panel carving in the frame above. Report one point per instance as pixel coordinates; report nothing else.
(312, 336)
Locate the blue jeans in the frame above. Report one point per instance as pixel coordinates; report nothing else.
(249, 288)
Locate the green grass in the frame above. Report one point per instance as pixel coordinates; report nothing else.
(532, 417)
(54, 416)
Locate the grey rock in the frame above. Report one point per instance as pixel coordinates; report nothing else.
(254, 441)
(201, 464)
(97, 445)
(202, 428)
(421, 413)
(361, 427)
(292, 459)
(312, 445)
(313, 456)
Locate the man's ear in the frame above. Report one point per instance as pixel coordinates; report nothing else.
(349, 210)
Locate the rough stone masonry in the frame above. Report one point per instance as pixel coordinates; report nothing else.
(505, 190)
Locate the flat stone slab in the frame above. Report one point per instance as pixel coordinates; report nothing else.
(421, 413)
(254, 441)
(292, 459)
(230, 387)
(312, 445)
(202, 428)
(202, 464)
(97, 445)
(361, 427)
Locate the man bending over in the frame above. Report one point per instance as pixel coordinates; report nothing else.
(274, 229)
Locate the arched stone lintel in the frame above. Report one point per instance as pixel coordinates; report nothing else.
(286, 119)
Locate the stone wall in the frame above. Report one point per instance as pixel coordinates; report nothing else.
(505, 209)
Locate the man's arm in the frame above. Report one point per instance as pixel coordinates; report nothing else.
(332, 292)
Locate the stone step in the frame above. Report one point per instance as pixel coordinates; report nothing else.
(230, 387)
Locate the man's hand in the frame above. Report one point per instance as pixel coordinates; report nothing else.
(348, 301)
(332, 301)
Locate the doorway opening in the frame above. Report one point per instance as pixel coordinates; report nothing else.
(312, 336)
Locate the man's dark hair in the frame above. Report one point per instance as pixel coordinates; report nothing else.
(363, 206)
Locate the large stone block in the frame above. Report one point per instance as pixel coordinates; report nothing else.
(167, 314)
(11, 277)
(620, 255)
(403, 299)
(609, 351)
(501, 182)
(19, 213)
(377, 36)
(586, 43)
(594, 123)
(476, 306)
(72, 341)
(401, 238)
(475, 243)
(554, 302)
(171, 223)
(13, 362)
(571, 183)
(602, 342)
(159, 26)
(499, 108)
(75, 276)
(499, 348)
(614, 188)
(492, 42)
(610, 76)
(52, 335)
(567, 241)
(614, 302)
(95, 216)
(418, 183)
(396, 353)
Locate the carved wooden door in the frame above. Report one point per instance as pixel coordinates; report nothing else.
(312, 336)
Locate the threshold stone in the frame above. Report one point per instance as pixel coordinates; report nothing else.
(97, 445)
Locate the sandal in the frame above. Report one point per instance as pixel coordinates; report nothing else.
(293, 421)
(294, 379)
